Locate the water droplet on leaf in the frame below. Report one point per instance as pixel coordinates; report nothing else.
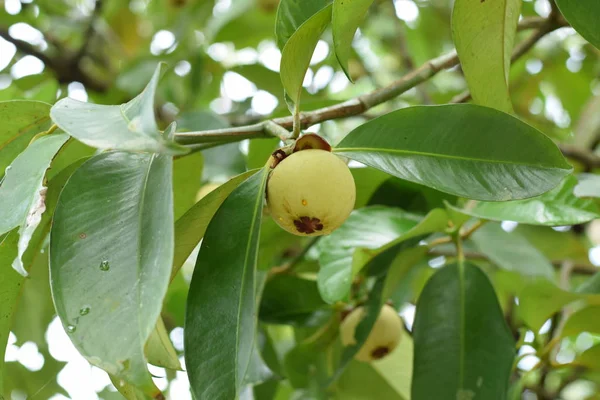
(71, 328)
(84, 310)
(104, 265)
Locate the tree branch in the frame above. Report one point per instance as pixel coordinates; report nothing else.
(352, 107)
(66, 66)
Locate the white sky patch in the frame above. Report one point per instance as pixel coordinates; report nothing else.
(542, 8)
(180, 386)
(183, 68)
(594, 255)
(406, 10)
(162, 40)
(176, 337)
(246, 56)
(13, 7)
(407, 312)
(219, 52)
(27, 33)
(244, 146)
(321, 52)
(30, 357)
(264, 102)
(537, 106)
(338, 83)
(529, 337)
(555, 111)
(158, 376)
(7, 52)
(323, 77)
(527, 363)
(5, 81)
(221, 105)
(221, 7)
(437, 262)
(269, 55)
(574, 65)
(308, 78)
(534, 66)
(583, 342)
(358, 164)
(546, 327)
(28, 65)
(77, 91)
(236, 87)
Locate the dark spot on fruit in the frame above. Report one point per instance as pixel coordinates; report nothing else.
(380, 352)
(278, 156)
(308, 225)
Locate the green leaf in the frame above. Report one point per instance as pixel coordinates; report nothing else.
(583, 320)
(589, 358)
(539, 299)
(159, 350)
(291, 14)
(588, 185)
(128, 391)
(583, 17)
(298, 51)
(111, 253)
(187, 178)
(21, 121)
(347, 17)
(367, 181)
(511, 251)
(388, 378)
(435, 221)
(221, 308)
(9, 292)
(461, 339)
(461, 149)
(22, 192)
(130, 126)
(367, 228)
(484, 34)
(288, 299)
(190, 228)
(557, 207)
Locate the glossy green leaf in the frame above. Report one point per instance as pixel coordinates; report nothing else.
(9, 292)
(130, 126)
(298, 50)
(588, 185)
(221, 308)
(42, 384)
(583, 320)
(461, 339)
(583, 16)
(557, 207)
(110, 259)
(291, 14)
(462, 149)
(589, 358)
(190, 228)
(187, 179)
(511, 251)
(367, 181)
(128, 391)
(388, 378)
(539, 299)
(22, 192)
(159, 350)
(367, 228)
(484, 34)
(347, 17)
(21, 121)
(435, 221)
(288, 299)
(590, 285)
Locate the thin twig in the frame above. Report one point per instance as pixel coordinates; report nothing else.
(464, 235)
(352, 107)
(289, 267)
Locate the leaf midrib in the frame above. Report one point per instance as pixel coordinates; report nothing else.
(257, 207)
(437, 155)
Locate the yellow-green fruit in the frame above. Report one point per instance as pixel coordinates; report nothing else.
(384, 336)
(311, 193)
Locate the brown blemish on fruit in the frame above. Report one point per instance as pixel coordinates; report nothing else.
(308, 225)
(278, 156)
(380, 352)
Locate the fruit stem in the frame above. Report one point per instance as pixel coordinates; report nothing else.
(297, 123)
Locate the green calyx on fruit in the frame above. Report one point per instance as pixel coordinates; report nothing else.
(383, 339)
(311, 193)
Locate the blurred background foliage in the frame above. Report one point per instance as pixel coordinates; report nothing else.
(224, 66)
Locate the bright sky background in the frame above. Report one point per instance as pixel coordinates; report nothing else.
(83, 381)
